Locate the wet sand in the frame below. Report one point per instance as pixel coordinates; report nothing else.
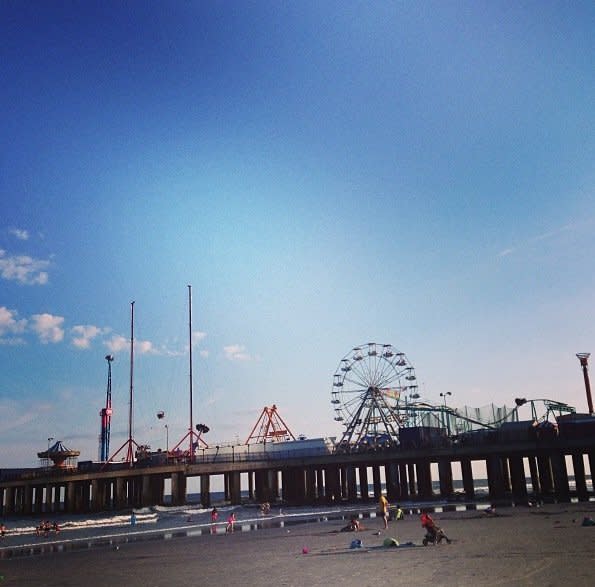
(519, 546)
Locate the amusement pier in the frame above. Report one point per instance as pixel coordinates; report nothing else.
(393, 442)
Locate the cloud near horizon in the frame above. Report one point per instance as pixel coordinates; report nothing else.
(236, 352)
(19, 233)
(82, 335)
(118, 343)
(19, 413)
(10, 323)
(197, 336)
(48, 328)
(23, 269)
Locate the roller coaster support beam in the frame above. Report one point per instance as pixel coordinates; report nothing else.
(584, 359)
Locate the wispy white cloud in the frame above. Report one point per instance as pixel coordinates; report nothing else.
(173, 350)
(197, 336)
(118, 343)
(15, 414)
(48, 328)
(23, 269)
(12, 341)
(83, 335)
(535, 239)
(145, 347)
(10, 323)
(551, 233)
(236, 352)
(19, 233)
(506, 252)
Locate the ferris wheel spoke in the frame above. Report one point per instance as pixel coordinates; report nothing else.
(352, 389)
(356, 382)
(352, 406)
(358, 373)
(387, 376)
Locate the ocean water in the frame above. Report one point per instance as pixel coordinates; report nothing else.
(82, 531)
(167, 522)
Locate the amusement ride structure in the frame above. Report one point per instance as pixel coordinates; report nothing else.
(376, 397)
(106, 414)
(60, 456)
(130, 444)
(269, 427)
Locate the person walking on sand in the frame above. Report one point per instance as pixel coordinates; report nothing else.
(230, 523)
(383, 506)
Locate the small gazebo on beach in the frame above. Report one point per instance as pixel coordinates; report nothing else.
(62, 457)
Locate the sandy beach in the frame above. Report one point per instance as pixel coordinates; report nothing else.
(518, 546)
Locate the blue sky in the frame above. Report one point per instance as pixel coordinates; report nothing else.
(323, 174)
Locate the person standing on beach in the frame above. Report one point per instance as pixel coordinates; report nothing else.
(383, 506)
(230, 523)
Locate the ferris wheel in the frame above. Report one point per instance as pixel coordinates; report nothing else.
(369, 385)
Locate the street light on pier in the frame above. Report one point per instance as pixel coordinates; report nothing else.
(50, 438)
(444, 414)
(443, 395)
(584, 360)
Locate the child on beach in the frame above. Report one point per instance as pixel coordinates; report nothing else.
(265, 508)
(230, 523)
(353, 526)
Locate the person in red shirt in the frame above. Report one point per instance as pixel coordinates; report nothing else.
(434, 532)
(427, 521)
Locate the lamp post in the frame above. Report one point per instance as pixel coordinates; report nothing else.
(167, 439)
(584, 360)
(50, 438)
(443, 395)
(445, 415)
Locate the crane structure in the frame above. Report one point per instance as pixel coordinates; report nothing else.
(106, 414)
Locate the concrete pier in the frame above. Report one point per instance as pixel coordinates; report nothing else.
(406, 474)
